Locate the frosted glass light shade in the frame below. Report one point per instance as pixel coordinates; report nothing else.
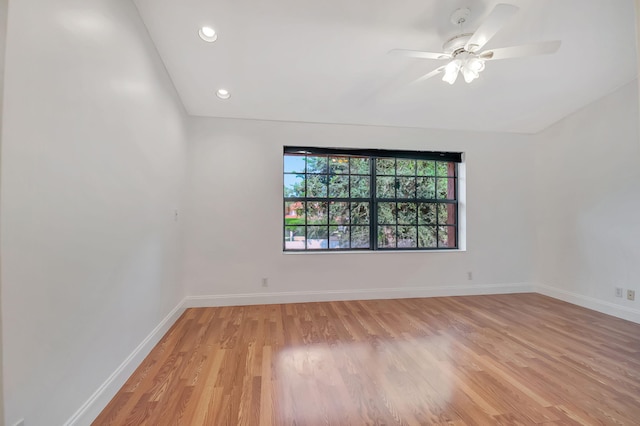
(451, 71)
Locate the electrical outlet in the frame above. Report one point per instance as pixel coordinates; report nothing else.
(631, 295)
(470, 275)
(19, 423)
(265, 282)
(618, 292)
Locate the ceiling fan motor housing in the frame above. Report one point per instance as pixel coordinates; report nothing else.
(455, 45)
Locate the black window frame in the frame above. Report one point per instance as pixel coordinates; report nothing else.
(419, 203)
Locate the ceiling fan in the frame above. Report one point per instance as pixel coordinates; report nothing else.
(464, 51)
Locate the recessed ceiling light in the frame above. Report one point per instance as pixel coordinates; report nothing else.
(208, 34)
(223, 94)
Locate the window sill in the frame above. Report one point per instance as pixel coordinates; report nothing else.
(309, 252)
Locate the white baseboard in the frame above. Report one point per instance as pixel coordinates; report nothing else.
(103, 395)
(608, 308)
(364, 294)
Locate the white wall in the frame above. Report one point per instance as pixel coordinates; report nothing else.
(588, 199)
(638, 34)
(4, 6)
(233, 236)
(94, 146)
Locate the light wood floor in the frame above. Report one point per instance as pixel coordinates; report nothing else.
(507, 359)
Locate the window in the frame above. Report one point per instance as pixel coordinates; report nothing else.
(342, 199)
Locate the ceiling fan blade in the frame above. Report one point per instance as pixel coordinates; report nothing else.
(419, 54)
(429, 75)
(543, 48)
(494, 22)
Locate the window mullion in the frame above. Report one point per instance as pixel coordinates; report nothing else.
(396, 186)
(437, 210)
(417, 206)
(306, 203)
(373, 206)
(327, 227)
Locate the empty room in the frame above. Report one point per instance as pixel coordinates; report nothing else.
(355, 212)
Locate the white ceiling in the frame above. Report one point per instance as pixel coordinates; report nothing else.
(326, 60)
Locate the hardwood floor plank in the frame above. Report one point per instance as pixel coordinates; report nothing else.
(472, 360)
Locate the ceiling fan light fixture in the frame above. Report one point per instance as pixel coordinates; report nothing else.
(465, 50)
(469, 74)
(475, 64)
(451, 71)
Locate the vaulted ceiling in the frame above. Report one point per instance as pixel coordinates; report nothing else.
(327, 61)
